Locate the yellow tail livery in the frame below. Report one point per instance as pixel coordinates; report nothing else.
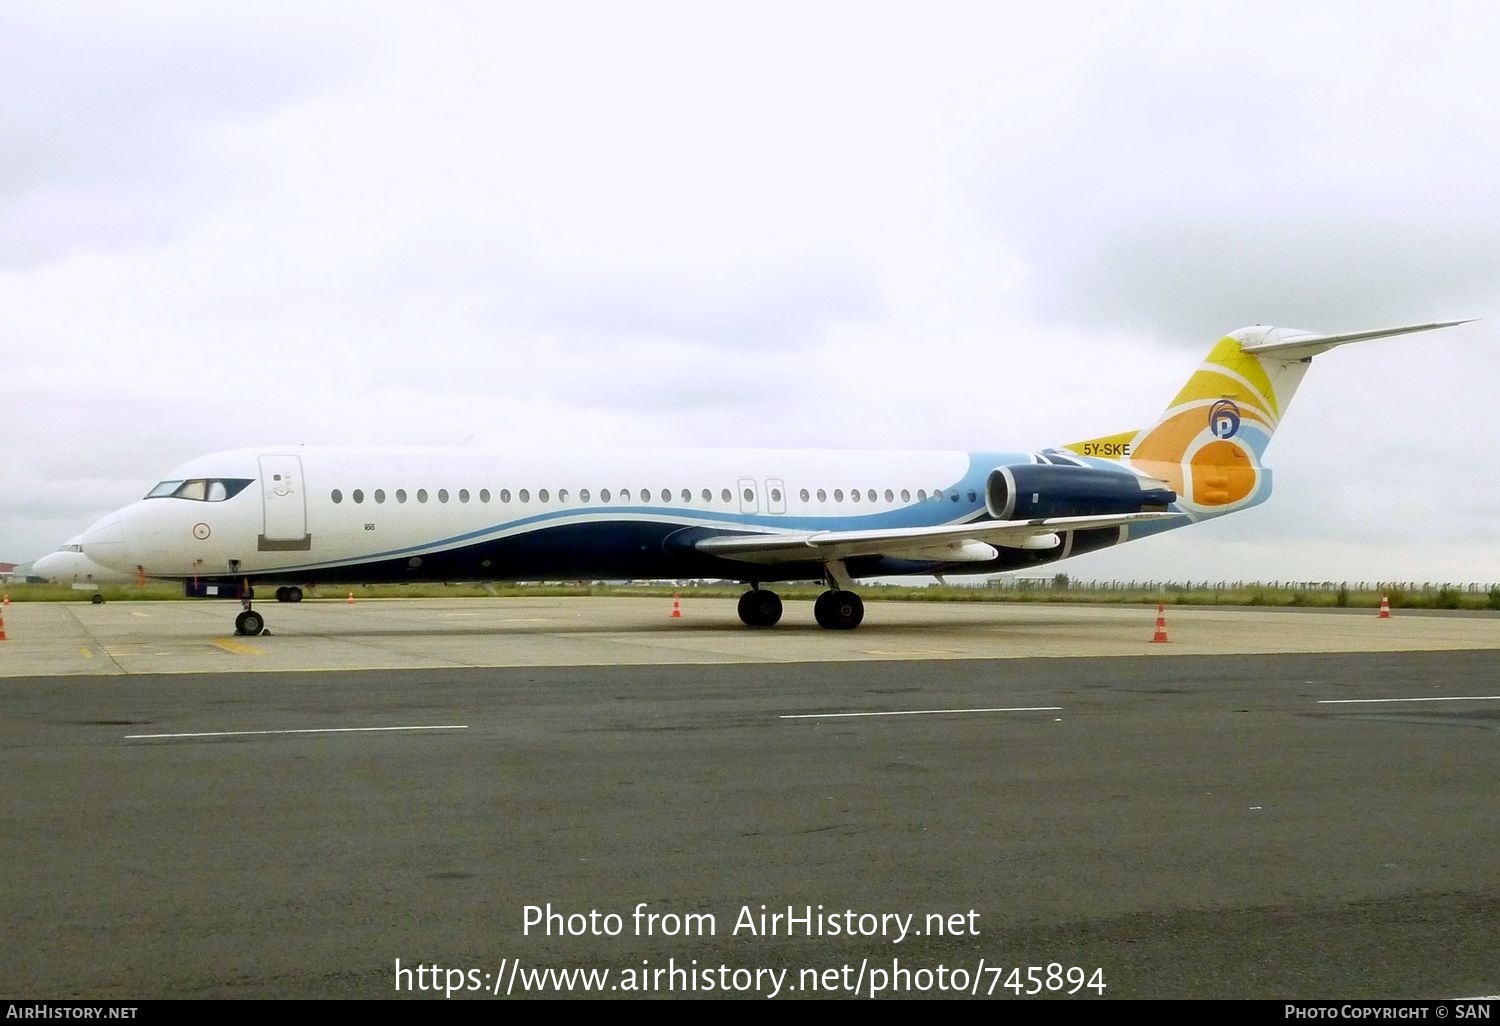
(1208, 444)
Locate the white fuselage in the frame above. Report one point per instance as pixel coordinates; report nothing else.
(391, 514)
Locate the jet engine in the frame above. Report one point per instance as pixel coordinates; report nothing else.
(1027, 491)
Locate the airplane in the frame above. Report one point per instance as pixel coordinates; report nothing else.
(68, 565)
(367, 515)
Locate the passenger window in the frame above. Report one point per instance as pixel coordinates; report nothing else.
(804, 495)
(359, 495)
(921, 494)
(484, 495)
(442, 495)
(583, 495)
(905, 495)
(380, 495)
(822, 495)
(562, 495)
(604, 495)
(337, 496)
(666, 495)
(972, 496)
(525, 495)
(889, 496)
(400, 494)
(838, 495)
(463, 495)
(421, 494)
(854, 495)
(543, 496)
(708, 496)
(749, 495)
(870, 495)
(725, 495)
(687, 495)
(505, 495)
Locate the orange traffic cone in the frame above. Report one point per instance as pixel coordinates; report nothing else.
(2, 627)
(1161, 623)
(676, 607)
(351, 598)
(1385, 608)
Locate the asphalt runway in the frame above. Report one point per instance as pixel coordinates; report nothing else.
(1167, 823)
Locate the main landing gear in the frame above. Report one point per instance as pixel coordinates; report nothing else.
(292, 594)
(837, 609)
(760, 608)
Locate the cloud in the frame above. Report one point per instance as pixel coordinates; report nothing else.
(116, 115)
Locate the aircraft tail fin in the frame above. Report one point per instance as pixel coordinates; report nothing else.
(1208, 443)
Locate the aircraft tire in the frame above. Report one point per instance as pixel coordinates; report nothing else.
(249, 623)
(760, 608)
(839, 610)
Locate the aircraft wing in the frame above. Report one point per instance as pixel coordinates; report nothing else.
(973, 542)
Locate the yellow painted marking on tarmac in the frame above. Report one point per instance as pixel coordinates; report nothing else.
(237, 647)
(86, 652)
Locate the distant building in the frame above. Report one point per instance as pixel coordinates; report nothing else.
(8, 570)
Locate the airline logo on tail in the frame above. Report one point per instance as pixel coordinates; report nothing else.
(1224, 419)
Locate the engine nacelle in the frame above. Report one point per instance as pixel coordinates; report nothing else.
(1027, 491)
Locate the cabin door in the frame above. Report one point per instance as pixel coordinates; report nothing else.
(285, 502)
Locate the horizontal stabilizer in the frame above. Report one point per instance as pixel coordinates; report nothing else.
(1284, 344)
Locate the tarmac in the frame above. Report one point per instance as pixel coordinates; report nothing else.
(418, 799)
(76, 638)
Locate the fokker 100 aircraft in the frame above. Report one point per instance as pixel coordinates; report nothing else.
(68, 565)
(343, 515)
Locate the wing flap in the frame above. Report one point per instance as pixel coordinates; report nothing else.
(955, 542)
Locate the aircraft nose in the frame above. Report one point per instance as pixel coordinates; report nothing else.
(104, 543)
(45, 568)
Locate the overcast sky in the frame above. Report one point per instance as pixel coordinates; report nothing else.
(806, 224)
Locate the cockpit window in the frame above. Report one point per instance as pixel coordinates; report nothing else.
(201, 489)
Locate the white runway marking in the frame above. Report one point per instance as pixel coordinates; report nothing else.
(919, 712)
(1373, 701)
(308, 730)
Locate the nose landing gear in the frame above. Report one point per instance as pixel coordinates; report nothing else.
(249, 623)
